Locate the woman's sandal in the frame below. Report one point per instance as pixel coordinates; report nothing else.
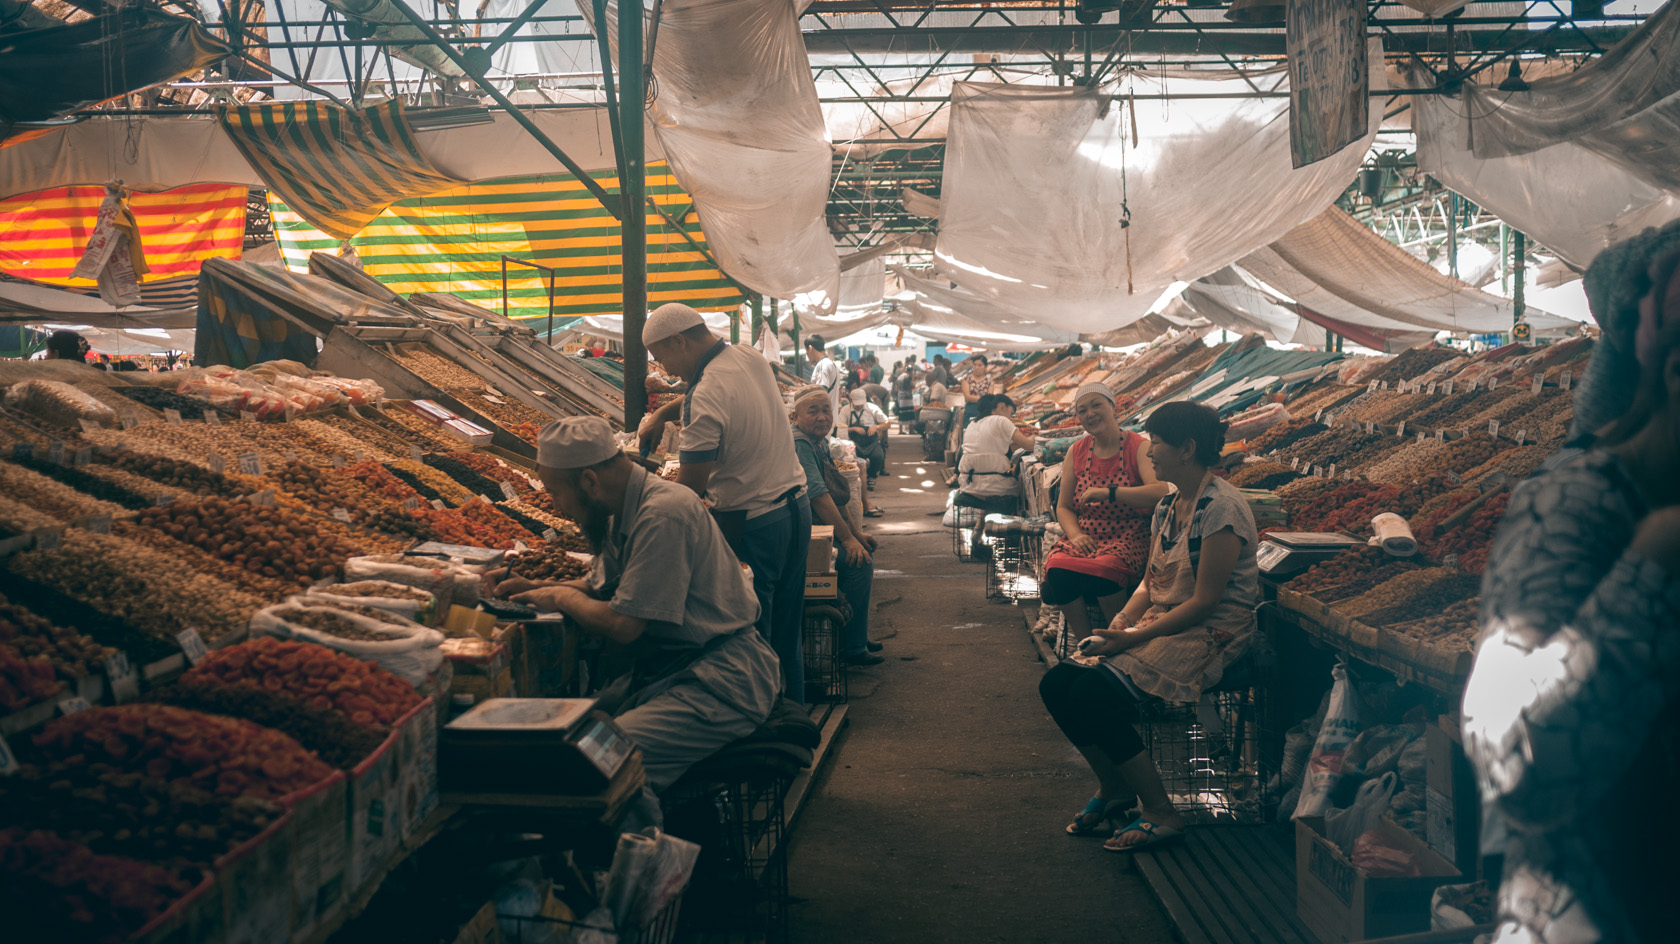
(1155, 835)
(1103, 810)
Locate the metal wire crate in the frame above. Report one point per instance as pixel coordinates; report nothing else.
(1209, 752)
(825, 669)
(739, 892)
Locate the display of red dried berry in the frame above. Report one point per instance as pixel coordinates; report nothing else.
(54, 889)
(314, 675)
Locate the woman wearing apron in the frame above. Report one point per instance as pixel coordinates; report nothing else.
(1191, 617)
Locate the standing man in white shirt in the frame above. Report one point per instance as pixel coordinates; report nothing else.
(825, 373)
(736, 451)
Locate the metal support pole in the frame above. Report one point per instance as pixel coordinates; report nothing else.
(1452, 235)
(1518, 307)
(1504, 249)
(504, 287)
(550, 307)
(632, 190)
(757, 316)
(793, 333)
(735, 327)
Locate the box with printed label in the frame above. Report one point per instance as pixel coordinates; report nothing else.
(1452, 815)
(822, 586)
(820, 559)
(1339, 903)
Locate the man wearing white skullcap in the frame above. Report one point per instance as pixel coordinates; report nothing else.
(736, 451)
(666, 585)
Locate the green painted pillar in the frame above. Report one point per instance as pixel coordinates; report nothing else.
(632, 188)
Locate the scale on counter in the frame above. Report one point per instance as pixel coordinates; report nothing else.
(1290, 552)
(532, 745)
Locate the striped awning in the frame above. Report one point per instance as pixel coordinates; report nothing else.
(43, 235)
(338, 168)
(453, 243)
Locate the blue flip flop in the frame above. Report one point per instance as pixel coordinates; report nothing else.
(1157, 835)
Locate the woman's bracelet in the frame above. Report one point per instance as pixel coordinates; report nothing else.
(1111, 495)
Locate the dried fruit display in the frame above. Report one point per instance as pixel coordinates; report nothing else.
(1472, 539)
(1250, 472)
(488, 516)
(347, 436)
(115, 812)
(530, 431)
(469, 477)
(60, 609)
(48, 496)
(1444, 628)
(1393, 592)
(58, 890)
(271, 541)
(68, 654)
(1388, 407)
(137, 585)
(1518, 463)
(25, 680)
(1435, 598)
(1463, 455)
(401, 422)
(1402, 464)
(549, 563)
(491, 469)
(539, 521)
(451, 526)
(379, 481)
(442, 486)
(225, 756)
(327, 732)
(19, 518)
(1412, 363)
(468, 387)
(57, 402)
(160, 399)
(1351, 563)
(314, 675)
(87, 484)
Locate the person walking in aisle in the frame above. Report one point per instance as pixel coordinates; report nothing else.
(1108, 491)
(830, 492)
(736, 451)
(825, 373)
(667, 587)
(866, 426)
(1190, 618)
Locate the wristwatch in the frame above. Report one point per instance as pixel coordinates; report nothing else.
(1111, 496)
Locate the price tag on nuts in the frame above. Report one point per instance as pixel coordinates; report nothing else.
(1430, 390)
(1295, 463)
(1371, 387)
(414, 453)
(55, 453)
(121, 679)
(520, 547)
(341, 514)
(99, 524)
(1453, 478)
(438, 504)
(1318, 417)
(1440, 435)
(1385, 385)
(550, 535)
(508, 492)
(1566, 379)
(47, 539)
(192, 645)
(1332, 470)
(1318, 471)
(1370, 427)
(88, 426)
(172, 416)
(409, 504)
(251, 464)
(83, 456)
(1493, 383)
(291, 455)
(1448, 388)
(1400, 430)
(129, 422)
(218, 465)
(23, 451)
(212, 417)
(1421, 436)
(1522, 436)
(1493, 428)
(164, 500)
(73, 704)
(340, 462)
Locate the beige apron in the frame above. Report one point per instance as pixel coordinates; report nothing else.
(1179, 667)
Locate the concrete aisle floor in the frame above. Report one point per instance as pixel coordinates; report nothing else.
(940, 817)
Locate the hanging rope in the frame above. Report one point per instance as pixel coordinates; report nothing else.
(1125, 207)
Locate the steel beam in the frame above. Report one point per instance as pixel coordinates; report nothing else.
(632, 186)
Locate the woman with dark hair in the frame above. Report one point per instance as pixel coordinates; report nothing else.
(1571, 708)
(1189, 619)
(977, 384)
(1108, 489)
(67, 346)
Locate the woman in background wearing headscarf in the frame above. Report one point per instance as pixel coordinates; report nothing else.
(1108, 491)
(1570, 712)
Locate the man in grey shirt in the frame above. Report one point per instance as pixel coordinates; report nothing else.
(666, 585)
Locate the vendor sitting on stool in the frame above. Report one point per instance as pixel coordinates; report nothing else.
(1107, 491)
(1190, 618)
(985, 474)
(866, 426)
(664, 584)
(829, 492)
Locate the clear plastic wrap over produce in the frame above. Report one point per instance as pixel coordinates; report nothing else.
(57, 402)
(450, 582)
(409, 652)
(416, 603)
(232, 390)
(1251, 423)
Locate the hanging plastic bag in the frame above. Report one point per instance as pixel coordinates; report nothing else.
(1324, 767)
(649, 869)
(1344, 827)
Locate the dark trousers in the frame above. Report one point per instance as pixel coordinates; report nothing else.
(1093, 708)
(875, 454)
(775, 546)
(855, 584)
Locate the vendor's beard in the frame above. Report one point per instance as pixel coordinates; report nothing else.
(597, 519)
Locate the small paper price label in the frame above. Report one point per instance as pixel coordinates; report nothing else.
(212, 417)
(1421, 436)
(520, 547)
(1493, 383)
(414, 453)
(409, 504)
(291, 455)
(1454, 478)
(1318, 417)
(341, 514)
(129, 422)
(1440, 435)
(164, 500)
(1295, 463)
(1318, 471)
(1522, 436)
(88, 426)
(1535, 384)
(1370, 427)
(1472, 386)
(251, 464)
(121, 679)
(264, 498)
(340, 462)
(1430, 390)
(218, 465)
(192, 645)
(1566, 379)
(438, 504)
(23, 451)
(1332, 470)
(55, 453)
(550, 535)
(48, 538)
(1493, 428)
(1385, 385)
(172, 416)
(1447, 388)
(99, 524)
(83, 456)
(1371, 387)
(73, 704)
(246, 416)
(508, 492)
(1400, 430)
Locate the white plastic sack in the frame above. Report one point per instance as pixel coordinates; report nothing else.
(409, 652)
(649, 869)
(1033, 196)
(1344, 827)
(449, 582)
(424, 612)
(1340, 726)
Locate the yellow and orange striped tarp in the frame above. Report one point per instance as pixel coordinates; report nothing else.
(43, 235)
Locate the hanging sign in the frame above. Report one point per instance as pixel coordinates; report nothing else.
(1329, 104)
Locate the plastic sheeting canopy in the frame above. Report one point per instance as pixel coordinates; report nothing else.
(51, 72)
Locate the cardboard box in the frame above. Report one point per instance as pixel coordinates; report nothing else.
(822, 586)
(255, 885)
(1452, 805)
(375, 830)
(417, 770)
(820, 560)
(1339, 903)
(320, 854)
(482, 929)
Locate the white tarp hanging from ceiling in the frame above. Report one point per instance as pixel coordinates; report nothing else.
(934, 302)
(1624, 105)
(1339, 268)
(31, 303)
(1224, 299)
(1037, 181)
(737, 116)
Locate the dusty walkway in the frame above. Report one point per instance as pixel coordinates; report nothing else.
(940, 817)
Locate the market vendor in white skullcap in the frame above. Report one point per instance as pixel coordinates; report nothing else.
(736, 452)
(664, 584)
